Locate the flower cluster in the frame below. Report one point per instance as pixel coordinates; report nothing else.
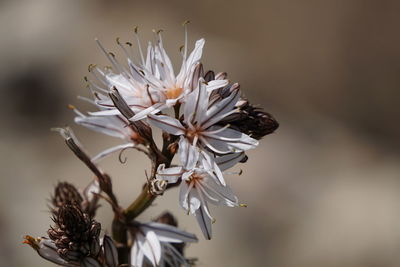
(204, 120)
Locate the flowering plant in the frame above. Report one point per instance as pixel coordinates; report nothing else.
(210, 129)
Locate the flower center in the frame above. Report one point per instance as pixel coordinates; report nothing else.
(194, 179)
(173, 93)
(192, 133)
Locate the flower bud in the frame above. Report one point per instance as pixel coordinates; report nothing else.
(110, 252)
(75, 235)
(65, 194)
(252, 121)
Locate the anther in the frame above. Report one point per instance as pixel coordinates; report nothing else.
(117, 40)
(91, 67)
(129, 43)
(186, 22)
(243, 205)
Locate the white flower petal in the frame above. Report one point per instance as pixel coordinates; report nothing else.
(136, 255)
(220, 109)
(188, 154)
(218, 192)
(188, 65)
(104, 125)
(197, 103)
(228, 161)
(151, 247)
(150, 110)
(171, 175)
(215, 84)
(235, 140)
(171, 234)
(194, 201)
(166, 123)
(111, 150)
(204, 222)
(107, 112)
(210, 165)
(216, 145)
(184, 191)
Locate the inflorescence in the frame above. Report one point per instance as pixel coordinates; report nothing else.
(204, 120)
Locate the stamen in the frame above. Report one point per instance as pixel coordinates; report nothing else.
(127, 54)
(149, 95)
(185, 23)
(73, 108)
(108, 55)
(243, 205)
(139, 45)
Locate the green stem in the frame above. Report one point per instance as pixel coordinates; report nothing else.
(142, 202)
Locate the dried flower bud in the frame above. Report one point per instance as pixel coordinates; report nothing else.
(90, 262)
(197, 73)
(110, 252)
(65, 194)
(252, 121)
(120, 104)
(75, 234)
(209, 76)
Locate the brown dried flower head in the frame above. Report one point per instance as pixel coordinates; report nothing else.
(75, 235)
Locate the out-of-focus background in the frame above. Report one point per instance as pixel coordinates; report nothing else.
(324, 190)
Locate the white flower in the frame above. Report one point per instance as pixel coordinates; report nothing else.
(152, 244)
(200, 122)
(115, 126)
(150, 86)
(199, 184)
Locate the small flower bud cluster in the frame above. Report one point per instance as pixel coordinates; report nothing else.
(75, 235)
(65, 194)
(252, 120)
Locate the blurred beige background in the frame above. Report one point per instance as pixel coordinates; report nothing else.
(323, 191)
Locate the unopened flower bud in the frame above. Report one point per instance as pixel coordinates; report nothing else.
(90, 262)
(110, 252)
(75, 234)
(65, 194)
(252, 121)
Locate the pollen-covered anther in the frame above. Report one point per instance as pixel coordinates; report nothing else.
(31, 241)
(91, 67)
(243, 205)
(70, 106)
